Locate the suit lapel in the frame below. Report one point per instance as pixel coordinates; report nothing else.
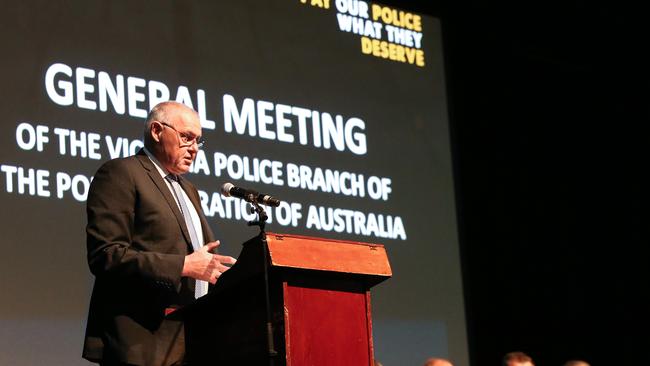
(164, 190)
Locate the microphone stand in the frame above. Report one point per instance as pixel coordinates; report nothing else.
(261, 222)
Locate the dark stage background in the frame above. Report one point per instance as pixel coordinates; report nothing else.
(549, 108)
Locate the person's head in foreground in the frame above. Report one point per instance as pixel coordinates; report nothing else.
(517, 359)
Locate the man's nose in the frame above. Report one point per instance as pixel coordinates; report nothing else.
(194, 148)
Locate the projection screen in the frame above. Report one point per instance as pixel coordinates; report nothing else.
(338, 108)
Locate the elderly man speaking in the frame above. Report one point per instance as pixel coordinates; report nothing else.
(149, 245)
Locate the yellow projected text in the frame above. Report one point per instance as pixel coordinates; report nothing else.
(392, 51)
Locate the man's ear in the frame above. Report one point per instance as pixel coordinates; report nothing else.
(155, 131)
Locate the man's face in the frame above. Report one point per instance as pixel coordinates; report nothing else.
(174, 151)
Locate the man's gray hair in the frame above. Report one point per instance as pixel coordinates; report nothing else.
(157, 113)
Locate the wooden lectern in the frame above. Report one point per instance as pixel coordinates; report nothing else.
(318, 305)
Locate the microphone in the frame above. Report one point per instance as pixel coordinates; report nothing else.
(248, 195)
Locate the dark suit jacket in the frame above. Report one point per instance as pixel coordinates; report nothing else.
(137, 240)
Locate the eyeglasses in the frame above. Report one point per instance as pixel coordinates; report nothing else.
(186, 140)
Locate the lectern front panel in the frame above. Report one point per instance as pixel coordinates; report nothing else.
(327, 326)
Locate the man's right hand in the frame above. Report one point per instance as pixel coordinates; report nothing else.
(203, 265)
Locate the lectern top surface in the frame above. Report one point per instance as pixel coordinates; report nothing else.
(305, 252)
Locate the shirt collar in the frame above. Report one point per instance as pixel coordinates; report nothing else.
(163, 172)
